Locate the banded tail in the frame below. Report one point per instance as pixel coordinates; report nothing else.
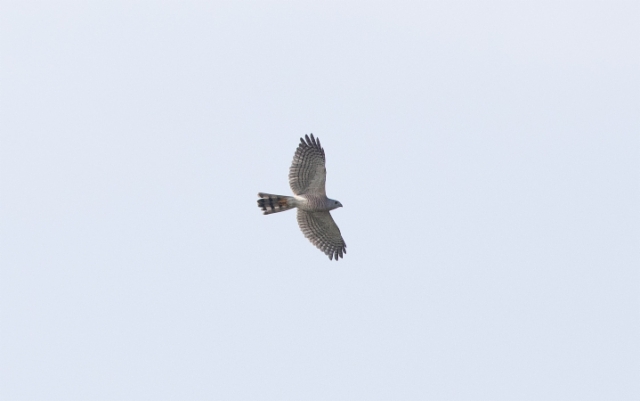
(270, 203)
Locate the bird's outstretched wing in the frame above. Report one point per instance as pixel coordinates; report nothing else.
(323, 232)
(307, 174)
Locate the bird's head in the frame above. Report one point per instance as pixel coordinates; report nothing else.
(334, 204)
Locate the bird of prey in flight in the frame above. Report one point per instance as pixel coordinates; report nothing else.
(307, 176)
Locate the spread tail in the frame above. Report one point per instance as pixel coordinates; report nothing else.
(270, 203)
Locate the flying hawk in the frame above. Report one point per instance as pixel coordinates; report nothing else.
(307, 176)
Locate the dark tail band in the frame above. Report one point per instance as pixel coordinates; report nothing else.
(270, 203)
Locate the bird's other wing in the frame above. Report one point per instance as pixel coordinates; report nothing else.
(323, 232)
(307, 174)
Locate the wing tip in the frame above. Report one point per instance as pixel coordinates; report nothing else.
(311, 141)
(336, 254)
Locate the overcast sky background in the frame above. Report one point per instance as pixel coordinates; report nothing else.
(487, 155)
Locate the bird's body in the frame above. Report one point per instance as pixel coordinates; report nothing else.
(307, 177)
(315, 203)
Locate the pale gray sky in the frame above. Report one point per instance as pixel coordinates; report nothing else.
(486, 153)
